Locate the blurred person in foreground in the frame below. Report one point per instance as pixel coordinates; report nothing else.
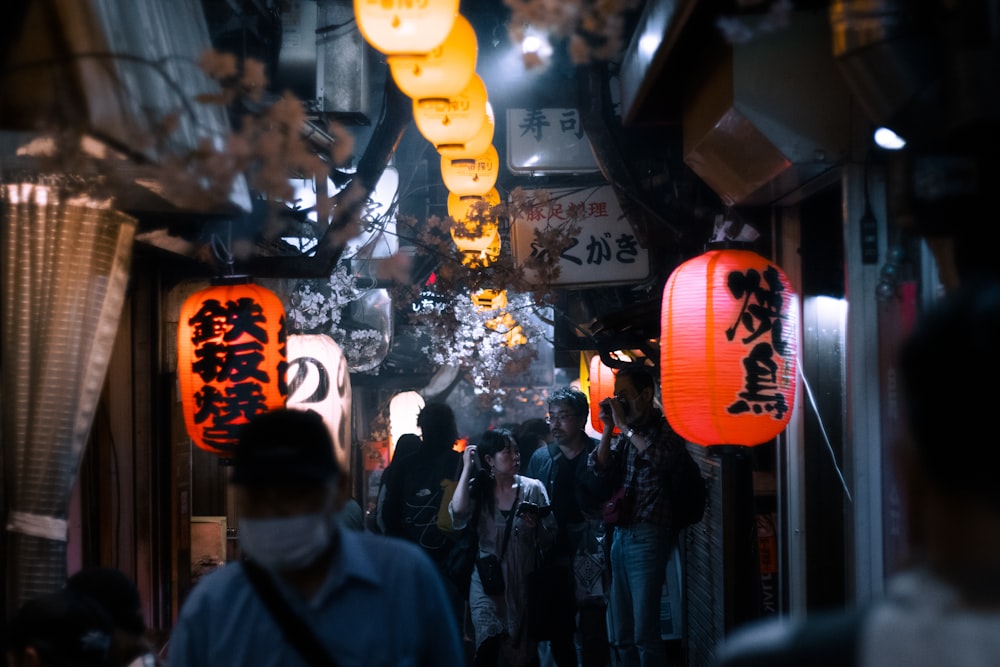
(944, 607)
(119, 597)
(61, 629)
(345, 585)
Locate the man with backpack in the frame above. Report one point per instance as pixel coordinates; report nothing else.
(415, 494)
(640, 461)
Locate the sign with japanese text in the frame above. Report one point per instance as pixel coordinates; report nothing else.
(548, 141)
(729, 334)
(231, 361)
(604, 250)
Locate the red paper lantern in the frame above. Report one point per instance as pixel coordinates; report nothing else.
(602, 385)
(231, 360)
(729, 336)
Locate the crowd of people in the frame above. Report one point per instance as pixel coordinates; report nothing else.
(310, 590)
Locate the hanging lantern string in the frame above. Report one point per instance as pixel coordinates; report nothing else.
(822, 428)
(222, 253)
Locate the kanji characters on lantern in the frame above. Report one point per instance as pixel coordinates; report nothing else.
(231, 360)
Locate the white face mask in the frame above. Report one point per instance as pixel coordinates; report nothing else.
(287, 543)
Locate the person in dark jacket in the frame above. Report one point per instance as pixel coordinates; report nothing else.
(414, 493)
(575, 494)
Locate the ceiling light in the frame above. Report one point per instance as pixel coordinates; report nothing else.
(889, 140)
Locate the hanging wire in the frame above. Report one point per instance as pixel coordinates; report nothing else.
(222, 251)
(826, 438)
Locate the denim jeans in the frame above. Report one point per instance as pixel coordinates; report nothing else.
(639, 557)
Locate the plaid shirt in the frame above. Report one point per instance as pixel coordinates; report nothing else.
(645, 472)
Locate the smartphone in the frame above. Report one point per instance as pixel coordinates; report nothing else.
(528, 506)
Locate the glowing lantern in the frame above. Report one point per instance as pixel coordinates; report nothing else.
(475, 145)
(404, 408)
(475, 228)
(442, 72)
(452, 120)
(490, 299)
(471, 175)
(231, 360)
(602, 385)
(405, 27)
(728, 346)
(482, 258)
(319, 379)
(512, 331)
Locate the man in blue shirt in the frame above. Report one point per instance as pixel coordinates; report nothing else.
(371, 600)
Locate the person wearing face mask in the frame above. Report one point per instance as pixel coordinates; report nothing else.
(640, 545)
(342, 584)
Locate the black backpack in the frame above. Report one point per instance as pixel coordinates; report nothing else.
(688, 491)
(418, 485)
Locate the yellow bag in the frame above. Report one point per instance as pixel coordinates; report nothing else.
(444, 524)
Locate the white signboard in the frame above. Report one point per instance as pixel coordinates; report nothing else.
(548, 141)
(605, 250)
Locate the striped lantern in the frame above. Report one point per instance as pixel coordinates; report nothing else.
(231, 360)
(729, 336)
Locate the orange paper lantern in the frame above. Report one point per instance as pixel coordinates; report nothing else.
(452, 120)
(490, 299)
(602, 385)
(475, 145)
(473, 232)
(475, 259)
(728, 348)
(471, 175)
(398, 27)
(231, 360)
(442, 72)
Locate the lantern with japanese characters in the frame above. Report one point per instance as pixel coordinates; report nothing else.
(455, 119)
(475, 145)
(319, 380)
(405, 27)
(602, 385)
(444, 70)
(471, 175)
(729, 336)
(231, 360)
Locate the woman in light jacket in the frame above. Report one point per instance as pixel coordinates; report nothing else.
(494, 495)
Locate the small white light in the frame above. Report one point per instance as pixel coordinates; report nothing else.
(889, 140)
(537, 42)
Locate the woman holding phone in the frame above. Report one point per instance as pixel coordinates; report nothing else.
(514, 524)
